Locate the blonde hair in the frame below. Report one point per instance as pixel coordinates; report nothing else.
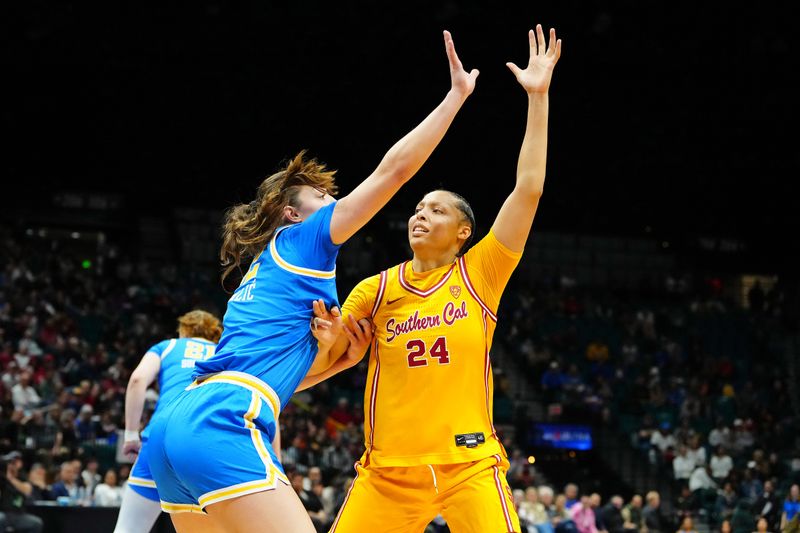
(200, 324)
(248, 227)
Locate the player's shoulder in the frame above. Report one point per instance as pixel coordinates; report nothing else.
(163, 346)
(490, 246)
(368, 283)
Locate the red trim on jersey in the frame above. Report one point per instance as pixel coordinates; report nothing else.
(503, 502)
(374, 397)
(462, 265)
(381, 290)
(487, 367)
(424, 294)
(347, 497)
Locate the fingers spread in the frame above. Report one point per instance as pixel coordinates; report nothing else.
(532, 42)
(540, 39)
(551, 45)
(513, 68)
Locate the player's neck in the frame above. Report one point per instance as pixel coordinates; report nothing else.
(423, 263)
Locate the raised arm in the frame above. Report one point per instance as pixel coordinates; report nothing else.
(141, 378)
(513, 223)
(405, 158)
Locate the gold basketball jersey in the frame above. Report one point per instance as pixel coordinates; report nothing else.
(428, 398)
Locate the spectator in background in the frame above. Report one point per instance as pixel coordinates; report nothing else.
(721, 464)
(653, 519)
(685, 503)
(314, 476)
(546, 496)
(768, 506)
(762, 526)
(742, 519)
(84, 425)
(90, 476)
(108, 493)
(38, 480)
(311, 503)
(611, 515)
(720, 435)
(24, 395)
(583, 515)
(687, 526)
(562, 517)
(14, 492)
(695, 451)
(700, 480)
(661, 441)
(532, 512)
(551, 381)
(751, 487)
(726, 501)
(571, 492)
(67, 483)
(595, 500)
(791, 508)
(682, 466)
(632, 514)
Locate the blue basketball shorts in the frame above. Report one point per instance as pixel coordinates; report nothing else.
(141, 479)
(213, 443)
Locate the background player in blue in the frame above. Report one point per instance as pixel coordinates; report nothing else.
(210, 451)
(171, 361)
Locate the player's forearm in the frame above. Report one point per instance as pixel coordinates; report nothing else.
(408, 154)
(327, 355)
(340, 365)
(134, 404)
(532, 163)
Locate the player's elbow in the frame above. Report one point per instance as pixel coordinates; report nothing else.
(532, 192)
(137, 383)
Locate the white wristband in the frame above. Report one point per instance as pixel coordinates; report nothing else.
(131, 436)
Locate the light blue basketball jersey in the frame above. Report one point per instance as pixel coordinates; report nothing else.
(266, 326)
(178, 359)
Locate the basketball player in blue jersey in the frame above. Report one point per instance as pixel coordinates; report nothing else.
(171, 362)
(211, 450)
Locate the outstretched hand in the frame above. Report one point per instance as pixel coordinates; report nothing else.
(461, 82)
(536, 77)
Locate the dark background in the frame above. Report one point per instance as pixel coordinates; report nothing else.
(676, 119)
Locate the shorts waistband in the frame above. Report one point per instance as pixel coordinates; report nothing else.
(244, 380)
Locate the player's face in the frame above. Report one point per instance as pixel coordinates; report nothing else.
(437, 224)
(311, 200)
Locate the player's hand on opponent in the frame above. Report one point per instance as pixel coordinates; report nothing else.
(462, 83)
(327, 325)
(536, 77)
(360, 334)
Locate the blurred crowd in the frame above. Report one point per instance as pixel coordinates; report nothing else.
(700, 384)
(697, 383)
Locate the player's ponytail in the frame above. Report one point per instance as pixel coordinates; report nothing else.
(200, 324)
(247, 228)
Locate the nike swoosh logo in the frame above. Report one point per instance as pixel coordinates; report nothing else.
(390, 302)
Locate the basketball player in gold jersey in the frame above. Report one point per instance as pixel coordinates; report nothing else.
(430, 443)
